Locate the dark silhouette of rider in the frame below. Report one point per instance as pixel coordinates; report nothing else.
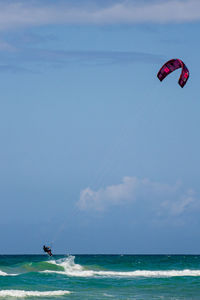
(47, 250)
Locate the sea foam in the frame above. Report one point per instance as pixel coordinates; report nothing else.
(3, 273)
(22, 293)
(6, 274)
(76, 270)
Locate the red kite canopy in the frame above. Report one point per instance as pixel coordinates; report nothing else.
(171, 66)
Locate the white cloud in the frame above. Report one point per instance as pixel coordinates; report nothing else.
(177, 207)
(162, 198)
(111, 195)
(33, 13)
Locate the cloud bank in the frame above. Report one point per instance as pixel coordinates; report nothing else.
(17, 13)
(163, 198)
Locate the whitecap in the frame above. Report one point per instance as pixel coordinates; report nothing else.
(22, 293)
(3, 273)
(6, 274)
(72, 269)
(108, 295)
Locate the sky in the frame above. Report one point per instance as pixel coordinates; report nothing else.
(97, 155)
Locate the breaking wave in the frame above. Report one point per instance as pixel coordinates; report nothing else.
(69, 268)
(22, 293)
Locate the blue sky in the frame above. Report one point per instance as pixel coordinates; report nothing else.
(97, 155)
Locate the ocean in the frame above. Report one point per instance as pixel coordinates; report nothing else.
(100, 277)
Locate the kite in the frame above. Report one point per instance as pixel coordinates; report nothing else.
(171, 66)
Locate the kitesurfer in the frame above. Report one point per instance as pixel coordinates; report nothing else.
(47, 250)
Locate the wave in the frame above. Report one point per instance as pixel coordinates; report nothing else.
(6, 274)
(71, 269)
(22, 293)
(67, 267)
(29, 267)
(142, 273)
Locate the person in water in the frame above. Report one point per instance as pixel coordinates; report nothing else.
(47, 250)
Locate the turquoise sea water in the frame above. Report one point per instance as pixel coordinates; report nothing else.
(100, 277)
